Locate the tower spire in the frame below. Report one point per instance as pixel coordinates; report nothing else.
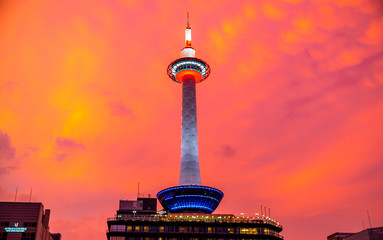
(188, 50)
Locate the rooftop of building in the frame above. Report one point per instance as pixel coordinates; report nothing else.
(369, 233)
(190, 217)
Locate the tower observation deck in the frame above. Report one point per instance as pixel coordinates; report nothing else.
(190, 195)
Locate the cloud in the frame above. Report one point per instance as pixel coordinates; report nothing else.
(7, 154)
(273, 12)
(119, 109)
(226, 150)
(66, 147)
(66, 143)
(373, 34)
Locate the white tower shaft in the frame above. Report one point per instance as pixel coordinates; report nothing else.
(190, 173)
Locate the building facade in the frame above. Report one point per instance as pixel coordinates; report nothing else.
(366, 234)
(25, 221)
(140, 223)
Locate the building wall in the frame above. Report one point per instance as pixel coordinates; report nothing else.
(368, 234)
(28, 218)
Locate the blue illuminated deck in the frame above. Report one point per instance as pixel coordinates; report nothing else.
(190, 199)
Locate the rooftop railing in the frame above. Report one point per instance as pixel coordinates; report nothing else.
(183, 217)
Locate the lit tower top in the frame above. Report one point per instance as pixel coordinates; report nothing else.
(189, 196)
(188, 51)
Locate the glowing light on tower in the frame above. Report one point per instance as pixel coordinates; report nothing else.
(190, 196)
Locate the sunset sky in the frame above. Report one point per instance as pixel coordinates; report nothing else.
(290, 117)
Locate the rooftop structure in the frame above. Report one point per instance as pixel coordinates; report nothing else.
(366, 234)
(190, 195)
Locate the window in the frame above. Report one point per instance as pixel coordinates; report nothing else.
(128, 228)
(249, 230)
(154, 228)
(28, 236)
(30, 224)
(169, 229)
(4, 224)
(117, 238)
(117, 228)
(3, 235)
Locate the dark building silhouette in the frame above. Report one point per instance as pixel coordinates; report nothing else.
(367, 234)
(25, 221)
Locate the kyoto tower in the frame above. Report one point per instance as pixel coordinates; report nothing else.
(190, 195)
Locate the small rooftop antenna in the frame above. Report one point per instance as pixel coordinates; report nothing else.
(265, 211)
(16, 192)
(269, 213)
(30, 195)
(369, 220)
(138, 190)
(261, 210)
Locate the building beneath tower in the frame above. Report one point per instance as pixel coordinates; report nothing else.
(188, 207)
(137, 220)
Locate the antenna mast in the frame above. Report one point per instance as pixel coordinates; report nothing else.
(269, 213)
(16, 193)
(30, 195)
(261, 210)
(369, 220)
(138, 190)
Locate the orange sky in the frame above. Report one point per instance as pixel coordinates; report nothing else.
(291, 116)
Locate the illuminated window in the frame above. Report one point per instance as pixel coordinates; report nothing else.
(182, 229)
(162, 229)
(266, 231)
(137, 228)
(230, 230)
(146, 229)
(209, 230)
(129, 228)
